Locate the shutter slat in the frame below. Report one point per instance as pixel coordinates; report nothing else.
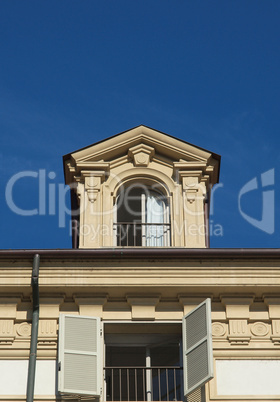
(198, 363)
(84, 375)
(197, 347)
(83, 338)
(196, 325)
(80, 355)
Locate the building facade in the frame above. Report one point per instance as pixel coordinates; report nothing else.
(118, 312)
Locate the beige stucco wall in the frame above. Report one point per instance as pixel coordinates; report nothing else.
(244, 293)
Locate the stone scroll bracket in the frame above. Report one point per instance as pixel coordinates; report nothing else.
(93, 180)
(192, 185)
(143, 307)
(190, 302)
(90, 305)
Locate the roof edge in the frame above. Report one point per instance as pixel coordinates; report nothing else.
(214, 155)
(146, 253)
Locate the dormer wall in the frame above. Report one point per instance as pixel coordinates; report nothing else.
(171, 175)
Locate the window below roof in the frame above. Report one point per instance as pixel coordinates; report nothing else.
(148, 372)
(143, 361)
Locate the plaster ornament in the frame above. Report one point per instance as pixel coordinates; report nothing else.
(24, 329)
(259, 329)
(218, 329)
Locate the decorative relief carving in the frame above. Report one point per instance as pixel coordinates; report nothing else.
(276, 331)
(238, 332)
(142, 159)
(92, 195)
(141, 154)
(47, 332)
(238, 327)
(218, 329)
(47, 328)
(93, 180)
(191, 186)
(24, 329)
(276, 327)
(190, 196)
(6, 327)
(7, 331)
(259, 329)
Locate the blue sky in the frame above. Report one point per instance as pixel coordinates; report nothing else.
(75, 72)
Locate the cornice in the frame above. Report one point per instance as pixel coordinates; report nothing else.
(146, 253)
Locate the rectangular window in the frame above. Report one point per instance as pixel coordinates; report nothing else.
(143, 361)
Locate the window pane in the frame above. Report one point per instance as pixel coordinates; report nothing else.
(142, 218)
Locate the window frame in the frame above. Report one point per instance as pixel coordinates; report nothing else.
(142, 220)
(206, 337)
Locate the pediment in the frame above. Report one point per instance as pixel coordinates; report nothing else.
(140, 144)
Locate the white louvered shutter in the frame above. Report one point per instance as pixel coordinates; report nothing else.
(79, 355)
(197, 347)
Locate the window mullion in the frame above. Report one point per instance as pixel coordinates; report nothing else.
(115, 223)
(143, 219)
(148, 375)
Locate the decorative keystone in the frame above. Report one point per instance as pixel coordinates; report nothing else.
(141, 154)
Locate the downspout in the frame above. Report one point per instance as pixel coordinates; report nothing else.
(34, 331)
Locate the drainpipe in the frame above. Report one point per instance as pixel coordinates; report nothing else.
(34, 331)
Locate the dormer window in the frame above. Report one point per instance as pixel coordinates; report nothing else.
(141, 188)
(141, 217)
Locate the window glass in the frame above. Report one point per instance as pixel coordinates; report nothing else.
(142, 218)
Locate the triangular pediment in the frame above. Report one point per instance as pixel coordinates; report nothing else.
(151, 165)
(144, 140)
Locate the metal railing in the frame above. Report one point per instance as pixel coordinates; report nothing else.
(144, 383)
(142, 234)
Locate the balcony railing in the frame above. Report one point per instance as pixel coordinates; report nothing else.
(144, 383)
(142, 234)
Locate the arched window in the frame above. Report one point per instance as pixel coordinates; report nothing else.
(141, 217)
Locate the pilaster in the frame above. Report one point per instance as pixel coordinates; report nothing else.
(91, 210)
(194, 188)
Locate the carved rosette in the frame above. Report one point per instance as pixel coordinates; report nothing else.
(24, 330)
(260, 329)
(218, 330)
